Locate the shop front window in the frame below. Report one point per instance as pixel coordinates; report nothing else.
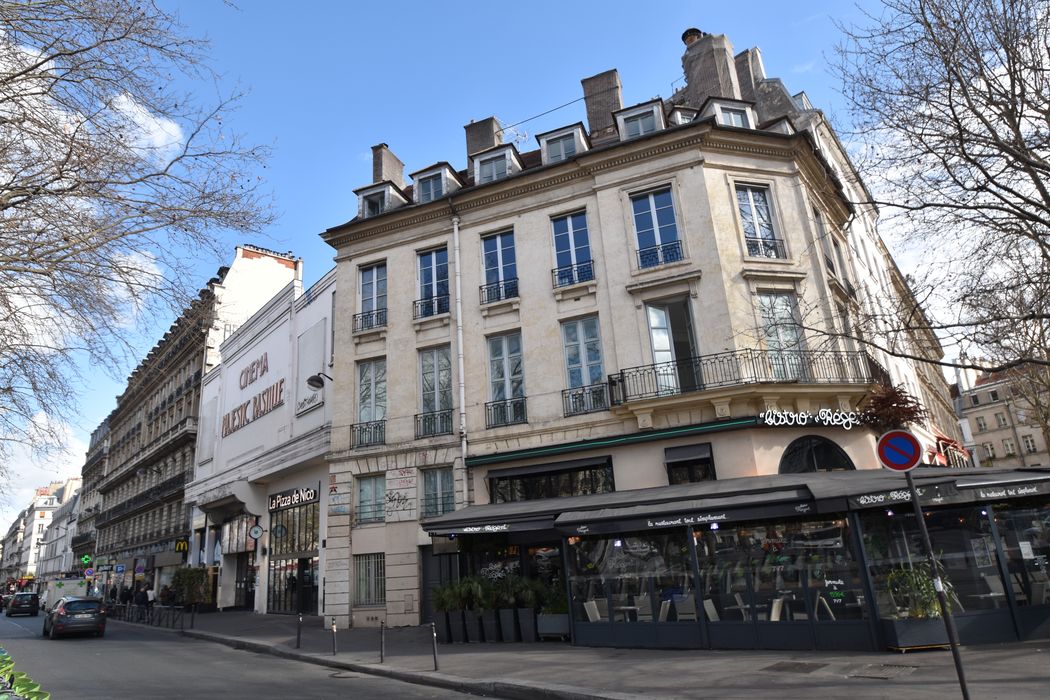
(634, 577)
(1024, 530)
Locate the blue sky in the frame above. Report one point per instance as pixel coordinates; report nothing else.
(327, 80)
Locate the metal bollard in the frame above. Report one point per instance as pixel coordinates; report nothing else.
(382, 640)
(434, 636)
(299, 632)
(193, 616)
(333, 636)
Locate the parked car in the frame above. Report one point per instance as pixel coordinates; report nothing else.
(4, 599)
(23, 604)
(72, 614)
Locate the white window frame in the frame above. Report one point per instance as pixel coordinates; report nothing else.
(750, 186)
(376, 504)
(370, 579)
(445, 499)
(504, 359)
(441, 400)
(629, 115)
(438, 177)
(1029, 444)
(369, 199)
(993, 395)
(362, 299)
(982, 424)
(1009, 447)
(373, 406)
(481, 161)
(989, 450)
(560, 138)
(1000, 420)
(725, 110)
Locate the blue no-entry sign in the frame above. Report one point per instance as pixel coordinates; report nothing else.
(899, 450)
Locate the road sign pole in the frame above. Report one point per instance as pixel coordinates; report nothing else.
(938, 585)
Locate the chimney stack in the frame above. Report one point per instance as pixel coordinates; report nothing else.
(483, 135)
(710, 69)
(602, 94)
(387, 166)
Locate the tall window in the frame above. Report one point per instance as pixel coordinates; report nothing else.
(433, 283)
(572, 250)
(494, 168)
(1009, 447)
(435, 382)
(989, 450)
(1000, 420)
(1029, 444)
(640, 124)
(582, 345)
(373, 297)
(506, 380)
(782, 334)
(501, 269)
(374, 204)
(982, 424)
(430, 188)
(656, 228)
(756, 216)
(438, 492)
(371, 391)
(371, 498)
(370, 579)
(561, 148)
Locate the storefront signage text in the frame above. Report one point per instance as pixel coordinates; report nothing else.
(1010, 491)
(255, 370)
(294, 497)
(825, 416)
(503, 527)
(877, 499)
(268, 399)
(689, 520)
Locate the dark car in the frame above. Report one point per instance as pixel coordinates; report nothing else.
(72, 614)
(23, 604)
(4, 599)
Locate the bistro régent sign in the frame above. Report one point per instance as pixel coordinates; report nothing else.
(825, 416)
(294, 497)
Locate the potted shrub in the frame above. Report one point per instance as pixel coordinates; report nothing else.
(443, 599)
(505, 601)
(471, 594)
(457, 631)
(917, 622)
(553, 620)
(526, 594)
(490, 597)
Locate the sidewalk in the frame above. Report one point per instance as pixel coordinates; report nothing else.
(557, 670)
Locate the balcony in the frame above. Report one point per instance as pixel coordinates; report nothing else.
(738, 368)
(368, 434)
(585, 399)
(573, 274)
(434, 306)
(498, 291)
(660, 255)
(369, 320)
(82, 540)
(766, 248)
(509, 412)
(438, 503)
(374, 512)
(435, 423)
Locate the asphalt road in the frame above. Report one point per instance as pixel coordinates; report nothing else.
(139, 662)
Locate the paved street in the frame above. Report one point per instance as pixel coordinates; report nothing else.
(138, 662)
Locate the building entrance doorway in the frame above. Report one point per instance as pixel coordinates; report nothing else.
(293, 586)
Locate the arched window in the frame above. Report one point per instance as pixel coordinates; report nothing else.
(813, 453)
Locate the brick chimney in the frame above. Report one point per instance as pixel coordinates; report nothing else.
(603, 95)
(482, 135)
(710, 70)
(749, 72)
(387, 166)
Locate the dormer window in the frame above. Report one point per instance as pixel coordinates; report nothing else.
(728, 112)
(640, 120)
(732, 116)
(640, 124)
(681, 115)
(563, 144)
(493, 168)
(561, 148)
(430, 188)
(374, 204)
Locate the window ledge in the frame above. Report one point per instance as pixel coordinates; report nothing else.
(368, 335)
(690, 276)
(766, 273)
(760, 259)
(644, 271)
(435, 321)
(576, 291)
(501, 307)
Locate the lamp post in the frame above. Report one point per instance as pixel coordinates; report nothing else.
(316, 381)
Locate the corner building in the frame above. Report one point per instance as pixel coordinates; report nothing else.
(578, 363)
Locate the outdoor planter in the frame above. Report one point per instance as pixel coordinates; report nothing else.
(508, 628)
(552, 625)
(457, 632)
(910, 633)
(474, 628)
(527, 623)
(441, 626)
(490, 622)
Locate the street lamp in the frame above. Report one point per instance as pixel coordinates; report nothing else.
(142, 471)
(316, 381)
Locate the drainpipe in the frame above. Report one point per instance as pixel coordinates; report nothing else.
(459, 350)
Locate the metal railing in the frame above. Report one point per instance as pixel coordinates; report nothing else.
(585, 399)
(170, 616)
(432, 306)
(509, 412)
(434, 423)
(660, 254)
(365, 434)
(438, 503)
(368, 320)
(766, 248)
(498, 291)
(572, 274)
(739, 367)
(374, 512)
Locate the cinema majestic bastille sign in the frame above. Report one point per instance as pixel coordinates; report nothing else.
(258, 405)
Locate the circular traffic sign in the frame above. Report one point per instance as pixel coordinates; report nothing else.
(89, 572)
(899, 450)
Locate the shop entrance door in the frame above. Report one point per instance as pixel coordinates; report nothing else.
(244, 595)
(293, 586)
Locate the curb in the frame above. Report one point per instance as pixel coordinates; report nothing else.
(484, 686)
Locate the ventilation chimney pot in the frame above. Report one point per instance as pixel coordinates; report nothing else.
(691, 35)
(482, 135)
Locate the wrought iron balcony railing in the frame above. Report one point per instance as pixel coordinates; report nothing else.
(509, 412)
(366, 434)
(432, 306)
(573, 274)
(498, 291)
(585, 399)
(369, 320)
(739, 367)
(374, 512)
(438, 503)
(766, 248)
(660, 254)
(434, 423)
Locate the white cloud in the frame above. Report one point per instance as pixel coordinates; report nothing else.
(803, 67)
(27, 472)
(158, 137)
